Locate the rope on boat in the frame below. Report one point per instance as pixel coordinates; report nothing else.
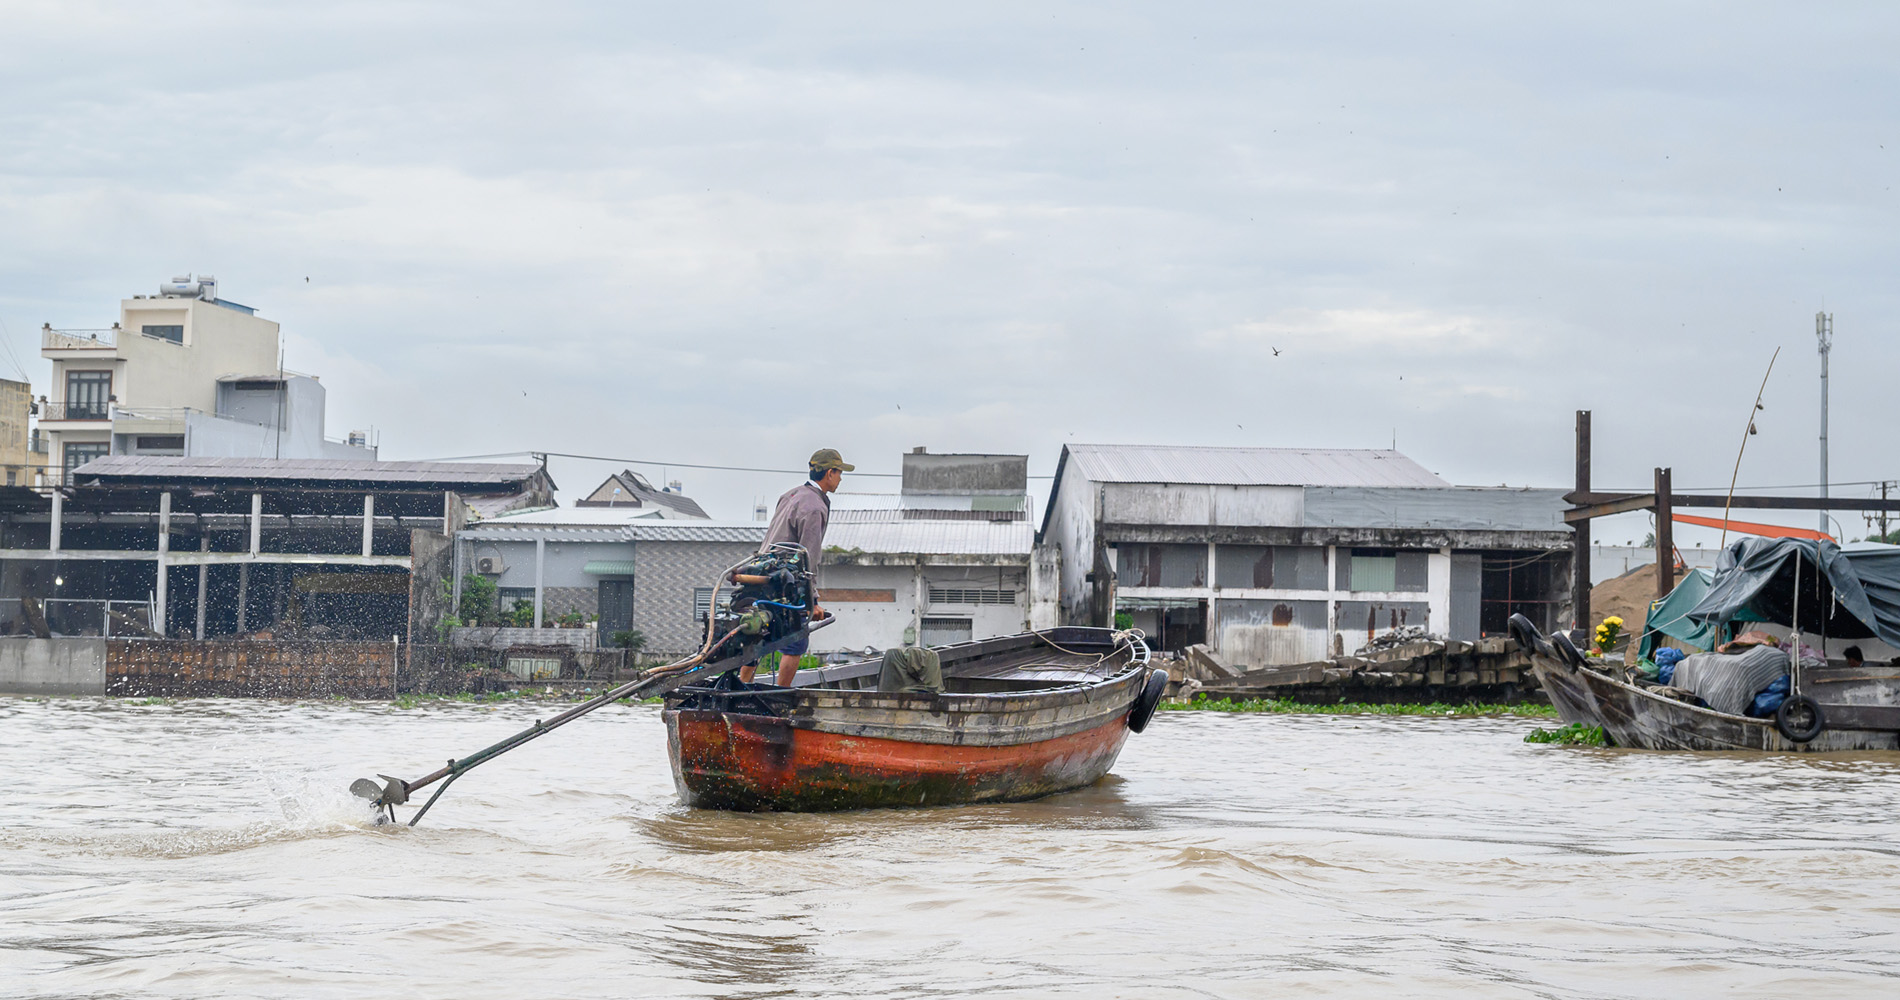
(1130, 637)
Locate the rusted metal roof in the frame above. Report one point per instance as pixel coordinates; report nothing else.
(1124, 463)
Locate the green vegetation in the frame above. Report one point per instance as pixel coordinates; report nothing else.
(1280, 706)
(478, 605)
(630, 639)
(768, 663)
(1575, 734)
(1124, 620)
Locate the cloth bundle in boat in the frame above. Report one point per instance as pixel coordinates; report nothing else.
(911, 670)
(1728, 682)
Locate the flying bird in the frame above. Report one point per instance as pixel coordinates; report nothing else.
(1276, 352)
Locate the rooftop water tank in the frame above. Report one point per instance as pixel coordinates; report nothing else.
(204, 286)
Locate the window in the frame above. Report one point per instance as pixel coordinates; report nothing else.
(175, 334)
(505, 597)
(702, 601)
(88, 395)
(944, 631)
(1161, 565)
(79, 454)
(1383, 571)
(161, 442)
(1285, 567)
(948, 595)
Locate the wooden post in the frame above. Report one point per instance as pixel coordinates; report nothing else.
(1665, 536)
(204, 545)
(244, 594)
(1580, 587)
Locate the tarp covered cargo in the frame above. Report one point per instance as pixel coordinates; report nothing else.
(1669, 616)
(1845, 593)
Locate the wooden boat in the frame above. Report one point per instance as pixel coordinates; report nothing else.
(1860, 707)
(1021, 716)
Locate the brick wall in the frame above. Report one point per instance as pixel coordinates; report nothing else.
(187, 668)
(664, 576)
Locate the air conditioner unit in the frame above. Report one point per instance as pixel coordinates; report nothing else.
(490, 565)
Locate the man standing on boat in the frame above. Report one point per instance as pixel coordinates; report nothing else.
(801, 517)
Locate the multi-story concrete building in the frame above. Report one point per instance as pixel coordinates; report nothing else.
(183, 372)
(22, 456)
(1287, 555)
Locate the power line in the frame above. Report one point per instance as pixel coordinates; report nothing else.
(676, 465)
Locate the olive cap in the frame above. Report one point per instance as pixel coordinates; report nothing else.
(828, 458)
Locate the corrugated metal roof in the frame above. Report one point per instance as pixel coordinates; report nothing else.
(1125, 463)
(749, 532)
(502, 531)
(933, 537)
(594, 516)
(346, 469)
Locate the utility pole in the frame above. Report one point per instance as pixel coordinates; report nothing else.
(1824, 336)
(1580, 562)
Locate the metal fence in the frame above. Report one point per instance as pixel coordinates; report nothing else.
(74, 616)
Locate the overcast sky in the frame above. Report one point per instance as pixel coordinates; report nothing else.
(734, 234)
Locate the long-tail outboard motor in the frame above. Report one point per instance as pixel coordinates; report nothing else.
(771, 599)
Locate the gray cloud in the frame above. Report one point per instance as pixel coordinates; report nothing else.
(735, 235)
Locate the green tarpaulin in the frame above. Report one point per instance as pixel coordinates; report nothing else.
(1851, 593)
(1670, 616)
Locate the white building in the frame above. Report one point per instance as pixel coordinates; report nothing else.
(1288, 555)
(950, 557)
(182, 372)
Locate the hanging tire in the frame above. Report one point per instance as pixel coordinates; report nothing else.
(1528, 639)
(1567, 650)
(1799, 719)
(1148, 700)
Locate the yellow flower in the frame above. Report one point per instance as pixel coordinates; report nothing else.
(1613, 620)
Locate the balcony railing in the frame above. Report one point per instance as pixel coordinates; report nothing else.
(75, 411)
(78, 340)
(170, 414)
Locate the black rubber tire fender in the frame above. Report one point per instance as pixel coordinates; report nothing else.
(1148, 700)
(1800, 706)
(1528, 638)
(1567, 650)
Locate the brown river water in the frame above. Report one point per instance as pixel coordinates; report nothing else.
(209, 849)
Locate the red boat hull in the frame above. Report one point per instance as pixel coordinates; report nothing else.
(725, 760)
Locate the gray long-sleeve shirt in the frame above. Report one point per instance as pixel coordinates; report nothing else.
(801, 517)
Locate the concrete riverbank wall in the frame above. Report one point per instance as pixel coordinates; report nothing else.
(52, 666)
